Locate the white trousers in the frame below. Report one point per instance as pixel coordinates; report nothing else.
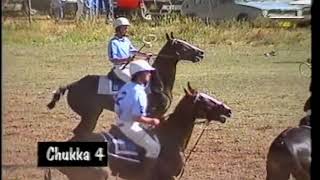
(138, 135)
(123, 74)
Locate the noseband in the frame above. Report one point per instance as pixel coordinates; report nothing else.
(197, 98)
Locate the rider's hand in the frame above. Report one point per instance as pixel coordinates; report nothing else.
(155, 121)
(149, 55)
(130, 58)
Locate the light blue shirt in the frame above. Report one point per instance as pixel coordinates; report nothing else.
(131, 102)
(120, 48)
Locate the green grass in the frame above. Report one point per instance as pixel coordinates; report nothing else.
(266, 94)
(47, 32)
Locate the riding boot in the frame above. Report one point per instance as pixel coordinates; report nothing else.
(148, 167)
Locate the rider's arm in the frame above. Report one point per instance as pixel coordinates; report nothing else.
(119, 61)
(146, 120)
(142, 54)
(139, 110)
(134, 51)
(113, 57)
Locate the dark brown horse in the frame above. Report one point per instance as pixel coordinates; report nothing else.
(306, 108)
(83, 98)
(290, 153)
(307, 105)
(172, 133)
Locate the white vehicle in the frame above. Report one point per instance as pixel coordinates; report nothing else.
(301, 2)
(16, 6)
(243, 9)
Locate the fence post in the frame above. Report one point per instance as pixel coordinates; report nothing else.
(29, 13)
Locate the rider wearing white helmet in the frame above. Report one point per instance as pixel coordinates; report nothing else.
(120, 49)
(131, 105)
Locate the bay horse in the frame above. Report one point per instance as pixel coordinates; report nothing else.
(83, 99)
(290, 153)
(307, 104)
(173, 134)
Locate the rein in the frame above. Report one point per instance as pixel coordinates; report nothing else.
(148, 58)
(164, 55)
(193, 148)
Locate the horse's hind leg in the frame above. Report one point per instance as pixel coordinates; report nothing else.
(85, 173)
(301, 175)
(276, 171)
(278, 174)
(88, 122)
(166, 178)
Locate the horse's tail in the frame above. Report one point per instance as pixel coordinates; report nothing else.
(56, 96)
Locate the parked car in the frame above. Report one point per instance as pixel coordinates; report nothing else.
(244, 9)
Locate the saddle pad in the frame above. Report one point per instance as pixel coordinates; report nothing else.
(107, 87)
(124, 149)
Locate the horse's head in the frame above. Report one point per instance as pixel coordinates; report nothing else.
(183, 50)
(306, 119)
(307, 105)
(207, 107)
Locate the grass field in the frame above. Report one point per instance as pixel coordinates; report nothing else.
(266, 94)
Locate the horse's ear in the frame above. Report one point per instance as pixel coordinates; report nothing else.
(171, 35)
(168, 37)
(186, 92)
(190, 88)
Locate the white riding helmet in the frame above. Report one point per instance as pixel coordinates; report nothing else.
(121, 21)
(140, 65)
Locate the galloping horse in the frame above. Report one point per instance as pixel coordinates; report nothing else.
(290, 153)
(83, 98)
(173, 135)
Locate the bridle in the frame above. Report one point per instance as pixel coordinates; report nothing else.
(196, 99)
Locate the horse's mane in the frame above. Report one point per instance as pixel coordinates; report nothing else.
(166, 117)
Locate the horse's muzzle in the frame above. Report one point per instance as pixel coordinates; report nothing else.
(199, 56)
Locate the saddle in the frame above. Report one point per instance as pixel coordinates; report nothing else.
(123, 153)
(117, 83)
(121, 147)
